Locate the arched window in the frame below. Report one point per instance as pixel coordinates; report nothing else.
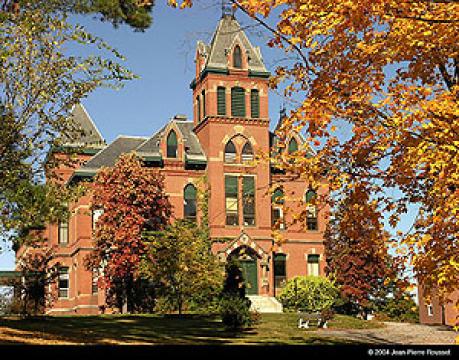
(172, 145)
(230, 152)
(292, 146)
(247, 152)
(277, 214)
(311, 213)
(238, 102)
(189, 208)
(237, 57)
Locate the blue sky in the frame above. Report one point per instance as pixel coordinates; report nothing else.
(163, 57)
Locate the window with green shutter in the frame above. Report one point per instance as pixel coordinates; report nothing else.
(277, 214)
(248, 200)
(238, 102)
(311, 213)
(280, 270)
(221, 101)
(231, 200)
(292, 146)
(172, 145)
(203, 103)
(198, 108)
(237, 57)
(254, 104)
(189, 207)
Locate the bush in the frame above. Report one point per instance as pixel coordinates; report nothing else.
(309, 293)
(235, 312)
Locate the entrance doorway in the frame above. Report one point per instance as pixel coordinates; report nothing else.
(250, 274)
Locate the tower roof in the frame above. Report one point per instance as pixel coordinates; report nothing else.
(227, 33)
(85, 132)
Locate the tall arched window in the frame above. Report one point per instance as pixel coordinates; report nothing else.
(277, 214)
(230, 152)
(238, 102)
(172, 145)
(311, 213)
(292, 146)
(247, 152)
(189, 207)
(237, 57)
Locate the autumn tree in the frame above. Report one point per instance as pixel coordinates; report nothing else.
(377, 86)
(135, 13)
(40, 82)
(181, 262)
(133, 200)
(356, 251)
(39, 273)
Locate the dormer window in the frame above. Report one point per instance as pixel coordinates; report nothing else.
(172, 145)
(237, 57)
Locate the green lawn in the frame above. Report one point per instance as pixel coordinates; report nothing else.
(167, 329)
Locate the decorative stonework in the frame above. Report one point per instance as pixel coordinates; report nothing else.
(245, 240)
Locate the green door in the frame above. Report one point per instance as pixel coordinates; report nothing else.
(249, 272)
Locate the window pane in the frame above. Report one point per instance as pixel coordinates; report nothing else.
(203, 103)
(292, 146)
(63, 282)
(247, 152)
(190, 202)
(280, 271)
(248, 200)
(221, 101)
(63, 232)
(230, 152)
(231, 200)
(254, 104)
(198, 107)
(238, 102)
(172, 145)
(237, 57)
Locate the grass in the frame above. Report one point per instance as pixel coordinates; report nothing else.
(274, 329)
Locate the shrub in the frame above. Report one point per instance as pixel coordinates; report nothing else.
(235, 312)
(309, 293)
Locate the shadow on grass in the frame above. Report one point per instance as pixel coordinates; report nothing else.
(138, 329)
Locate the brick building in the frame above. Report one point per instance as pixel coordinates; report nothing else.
(434, 312)
(230, 125)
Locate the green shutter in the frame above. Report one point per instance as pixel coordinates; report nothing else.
(278, 197)
(292, 146)
(310, 196)
(313, 259)
(204, 103)
(190, 192)
(248, 186)
(231, 185)
(254, 104)
(221, 101)
(238, 102)
(248, 199)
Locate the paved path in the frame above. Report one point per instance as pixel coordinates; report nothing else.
(398, 333)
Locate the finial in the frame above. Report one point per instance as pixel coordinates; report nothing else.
(227, 8)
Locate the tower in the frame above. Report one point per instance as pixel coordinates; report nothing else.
(230, 96)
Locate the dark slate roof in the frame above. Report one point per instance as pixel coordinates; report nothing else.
(109, 155)
(85, 132)
(229, 30)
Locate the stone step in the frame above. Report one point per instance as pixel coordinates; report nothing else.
(265, 304)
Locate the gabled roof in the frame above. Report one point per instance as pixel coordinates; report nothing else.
(193, 149)
(85, 132)
(228, 31)
(109, 155)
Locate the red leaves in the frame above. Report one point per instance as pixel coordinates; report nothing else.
(132, 198)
